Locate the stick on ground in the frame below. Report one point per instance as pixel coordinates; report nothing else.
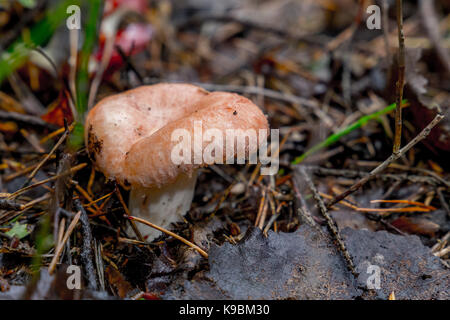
(422, 135)
(400, 80)
(330, 222)
(60, 247)
(170, 233)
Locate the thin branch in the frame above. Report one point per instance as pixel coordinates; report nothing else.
(46, 158)
(422, 135)
(303, 211)
(25, 118)
(400, 80)
(60, 247)
(127, 212)
(86, 250)
(385, 18)
(37, 184)
(330, 222)
(6, 204)
(170, 233)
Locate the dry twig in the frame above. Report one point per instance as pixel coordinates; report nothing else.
(46, 158)
(60, 247)
(400, 80)
(170, 233)
(86, 250)
(422, 135)
(330, 222)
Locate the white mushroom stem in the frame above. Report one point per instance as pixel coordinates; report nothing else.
(162, 206)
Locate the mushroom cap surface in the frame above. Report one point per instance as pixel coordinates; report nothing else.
(129, 135)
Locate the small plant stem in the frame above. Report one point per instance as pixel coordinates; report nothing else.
(400, 80)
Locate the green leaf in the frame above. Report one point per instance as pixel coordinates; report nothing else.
(76, 139)
(18, 230)
(338, 135)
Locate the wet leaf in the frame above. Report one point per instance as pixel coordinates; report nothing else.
(122, 287)
(306, 265)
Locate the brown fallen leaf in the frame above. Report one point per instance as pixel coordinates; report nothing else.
(118, 282)
(416, 225)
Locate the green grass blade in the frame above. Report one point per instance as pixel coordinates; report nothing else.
(90, 40)
(338, 135)
(76, 139)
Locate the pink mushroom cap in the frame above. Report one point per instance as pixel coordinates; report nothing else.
(129, 135)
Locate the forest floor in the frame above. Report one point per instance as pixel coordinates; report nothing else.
(341, 205)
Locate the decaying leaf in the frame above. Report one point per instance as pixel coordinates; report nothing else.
(306, 265)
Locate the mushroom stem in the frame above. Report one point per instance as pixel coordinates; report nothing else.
(162, 206)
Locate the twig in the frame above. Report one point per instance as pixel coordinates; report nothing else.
(62, 223)
(60, 247)
(394, 156)
(19, 173)
(170, 233)
(441, 243)
(407, 168)
(56, 133)
(260, 91)
(443, 202)
(262, 205)
(14, 214)
(401, 79)
(330, 223)
(39, 166)
(443, 252)
(37, 184)
(352, 174)
(6, 204)
(385, 18)
(129, 64)
(127, 212)
(274, 217)
(262, 219)
(35, 201)
(25, 118)
(420, 207)
(303, 210)
(248, 24)
(106, 57)
(86, 250)
(99, 264)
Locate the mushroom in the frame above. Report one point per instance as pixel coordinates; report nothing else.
(132, 138)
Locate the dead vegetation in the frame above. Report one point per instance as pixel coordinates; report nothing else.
(349, 158)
